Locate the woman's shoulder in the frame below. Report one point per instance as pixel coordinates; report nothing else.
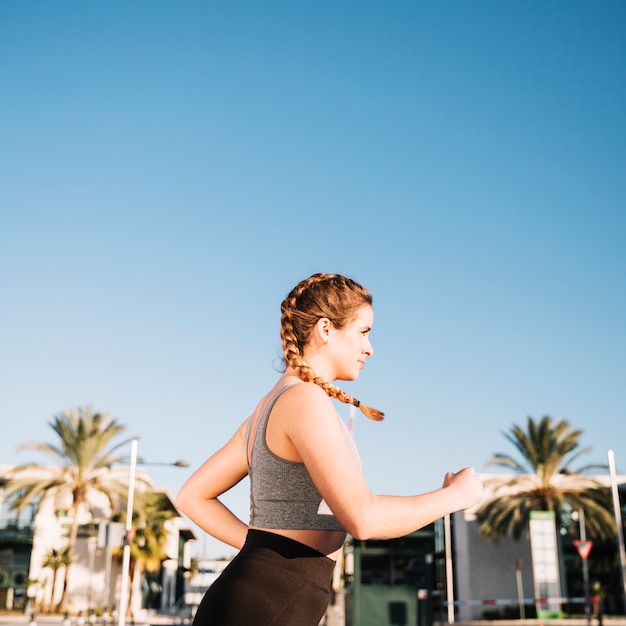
(306, 412)
(291, 393)
(304, 391)
(308, 401)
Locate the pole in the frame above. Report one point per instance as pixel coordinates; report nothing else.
(583, 539)
(107, 568)
(91, 548)
(449, 573)
(520, 589)
(121, 618)
(618, 521)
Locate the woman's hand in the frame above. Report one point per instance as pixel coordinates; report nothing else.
(467, 485)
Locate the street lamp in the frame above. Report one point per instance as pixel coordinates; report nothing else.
(174, 464)
(127, 536)
(617, 510)
(129, 527)
(449, 574)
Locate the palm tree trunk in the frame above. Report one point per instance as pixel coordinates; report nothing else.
(62, 606)
(55, 576)
(134, 572)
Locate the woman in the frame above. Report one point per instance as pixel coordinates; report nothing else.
(294, 447)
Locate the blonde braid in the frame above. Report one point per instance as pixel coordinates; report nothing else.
(294, 318)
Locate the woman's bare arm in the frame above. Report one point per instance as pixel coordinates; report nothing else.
(317, 436)
(198, 498)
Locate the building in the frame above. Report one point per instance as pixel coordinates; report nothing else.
(94, 583)
(442, 574)
(490, 580)
(390, 581)
(412, 577)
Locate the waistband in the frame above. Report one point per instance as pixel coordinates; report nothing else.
(294, 551)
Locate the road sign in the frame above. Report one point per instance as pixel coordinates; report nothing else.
(583, 547)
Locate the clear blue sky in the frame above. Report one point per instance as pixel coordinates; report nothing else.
(170, 170)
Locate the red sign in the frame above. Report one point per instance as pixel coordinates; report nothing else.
(583, 547)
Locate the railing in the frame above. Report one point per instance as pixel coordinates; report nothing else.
(17, 531)
(181, 612)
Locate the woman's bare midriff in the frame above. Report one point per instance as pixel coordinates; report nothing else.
(328, 542)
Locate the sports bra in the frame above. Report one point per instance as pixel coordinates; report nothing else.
(282, 493)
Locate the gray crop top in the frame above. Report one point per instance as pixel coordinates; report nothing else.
(282, 494)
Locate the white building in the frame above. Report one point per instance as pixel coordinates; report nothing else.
(96, 573)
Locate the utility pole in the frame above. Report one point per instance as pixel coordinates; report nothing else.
(618, 521)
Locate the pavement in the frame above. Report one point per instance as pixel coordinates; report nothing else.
(21, 619)
(335, 613)
(334, 617)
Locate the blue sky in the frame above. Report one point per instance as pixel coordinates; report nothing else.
(170, 170)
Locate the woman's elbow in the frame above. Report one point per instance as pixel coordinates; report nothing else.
(182, 500)
(359, 523)
(357, 534)
(361, 531)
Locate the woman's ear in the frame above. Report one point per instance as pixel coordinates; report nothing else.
(322, 329)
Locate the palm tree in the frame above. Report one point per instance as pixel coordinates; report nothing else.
(194, 566)
(543, 481)
(83, 471)
(147, 549)
(55, 560)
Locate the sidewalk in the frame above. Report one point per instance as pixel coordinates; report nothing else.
(572, 621)
(335, 613)
(334, 617)
(20, 619)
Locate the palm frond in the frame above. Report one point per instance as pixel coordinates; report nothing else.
(542, 480)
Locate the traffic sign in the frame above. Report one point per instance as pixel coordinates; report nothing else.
(583, 547)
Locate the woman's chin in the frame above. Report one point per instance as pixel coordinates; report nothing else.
(348, 377)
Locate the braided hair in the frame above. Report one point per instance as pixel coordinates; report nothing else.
(332, 296)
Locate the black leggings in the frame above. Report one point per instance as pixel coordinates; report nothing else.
(272, 581)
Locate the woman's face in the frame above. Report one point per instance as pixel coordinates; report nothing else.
(349, 348)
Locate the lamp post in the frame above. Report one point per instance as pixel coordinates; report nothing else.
(617, 510)
(128, 535)
(121, 618)
(449, 574)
